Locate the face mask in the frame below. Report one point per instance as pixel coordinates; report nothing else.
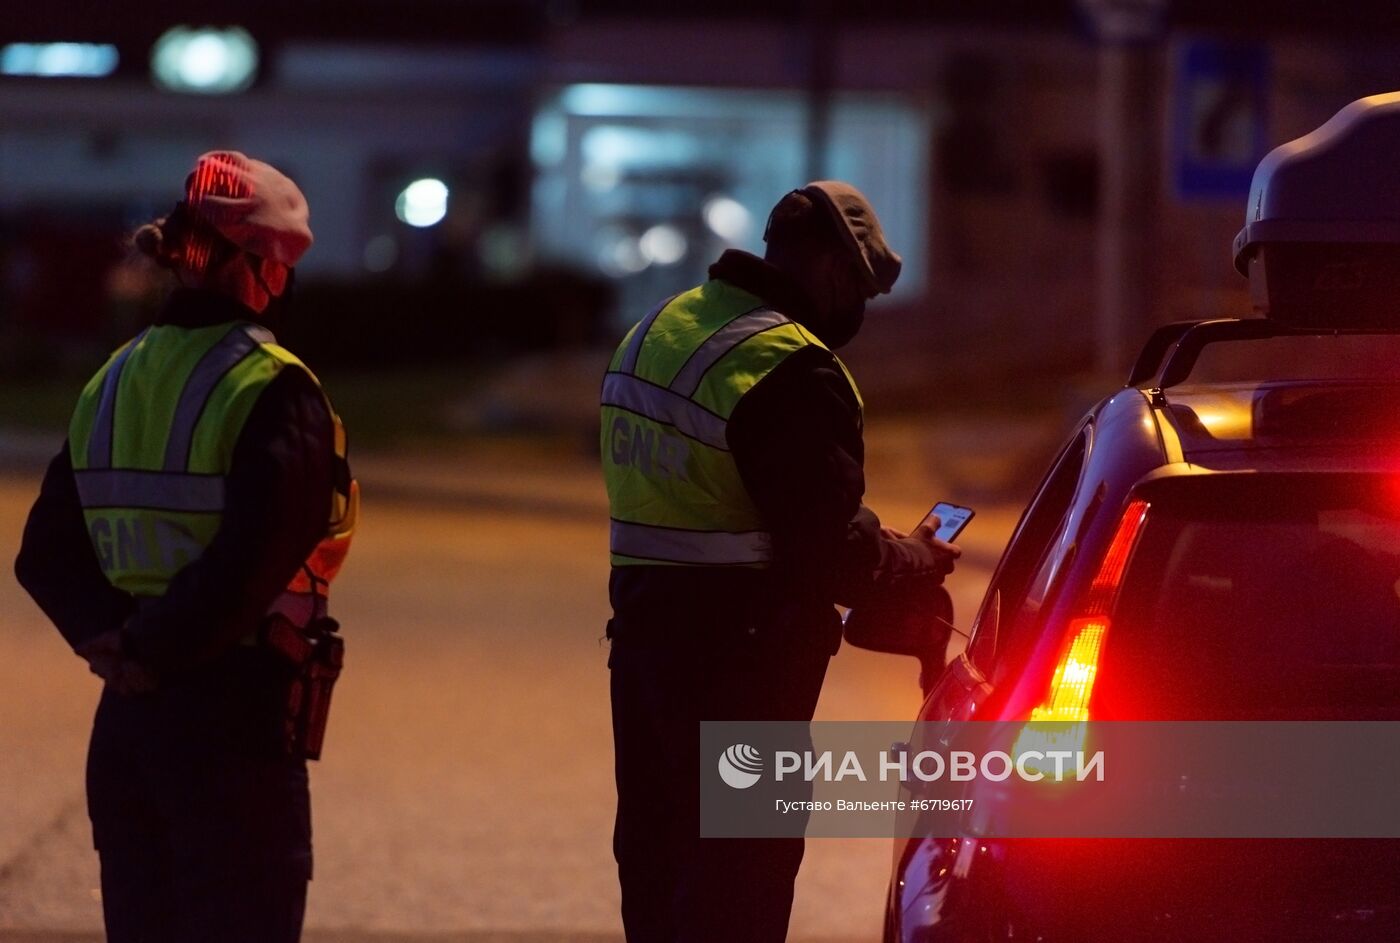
(847, 314)
(844, 326)
(278, 306)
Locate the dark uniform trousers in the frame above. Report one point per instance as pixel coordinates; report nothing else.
(675, 885)
(202, 823)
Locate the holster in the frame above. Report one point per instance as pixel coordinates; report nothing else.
(317, 653)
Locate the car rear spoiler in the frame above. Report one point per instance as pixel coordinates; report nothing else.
(1171, 352)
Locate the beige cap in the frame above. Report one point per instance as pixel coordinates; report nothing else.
(857, 220)
(252, 204)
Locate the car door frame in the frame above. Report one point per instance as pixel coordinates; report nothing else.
(964, 685)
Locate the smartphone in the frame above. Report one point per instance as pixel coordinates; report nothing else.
(952, 519)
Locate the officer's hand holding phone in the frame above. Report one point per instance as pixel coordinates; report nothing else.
(897, 619)
(936, 532)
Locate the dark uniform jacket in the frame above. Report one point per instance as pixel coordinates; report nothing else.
(796, 438)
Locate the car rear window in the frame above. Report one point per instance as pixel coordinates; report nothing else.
(1281, 604)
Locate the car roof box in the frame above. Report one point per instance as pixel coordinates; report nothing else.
(1321, 241)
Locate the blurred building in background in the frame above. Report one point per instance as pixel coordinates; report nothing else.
(525, 175)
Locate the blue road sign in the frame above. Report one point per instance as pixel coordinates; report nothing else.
(1219, 128)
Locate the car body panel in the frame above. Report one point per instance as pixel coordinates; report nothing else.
(1138, 441)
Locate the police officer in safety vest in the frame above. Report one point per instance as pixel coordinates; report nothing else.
(183, 543)
(732, 453)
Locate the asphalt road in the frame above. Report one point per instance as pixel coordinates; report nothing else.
(466, 790)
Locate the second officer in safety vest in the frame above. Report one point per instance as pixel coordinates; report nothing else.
(183, 542)
(732, 452)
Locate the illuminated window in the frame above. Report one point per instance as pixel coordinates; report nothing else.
(59, 60)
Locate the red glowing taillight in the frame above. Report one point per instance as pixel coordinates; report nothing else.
(1057, 723)
(1073, 681)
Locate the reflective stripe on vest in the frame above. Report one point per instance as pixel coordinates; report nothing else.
(99, 446)
(675, 492)
(666, 406)
(219, 360)
(152, 440)
(722, 342)
(634, 349)
(671, 545)
(153, 491)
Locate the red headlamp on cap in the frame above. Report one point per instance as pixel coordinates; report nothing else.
(251, 204)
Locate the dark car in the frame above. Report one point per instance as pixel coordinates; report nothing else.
(1219, 540)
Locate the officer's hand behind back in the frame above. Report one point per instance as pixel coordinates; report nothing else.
(103, 653)
(132, 678)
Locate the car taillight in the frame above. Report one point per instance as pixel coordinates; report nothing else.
(1058, 722)
(1073, 680)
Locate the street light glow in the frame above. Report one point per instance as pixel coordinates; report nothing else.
(622, 255)
(422, 203)
(727, 218)
(663, 244)
(205, 61)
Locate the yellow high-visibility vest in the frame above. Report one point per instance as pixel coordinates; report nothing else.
(674, 490)
(152, 441)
